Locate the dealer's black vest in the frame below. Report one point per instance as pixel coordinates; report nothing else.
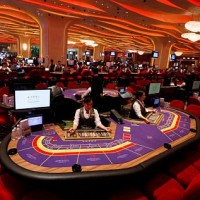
(86, 123)
(132, 112)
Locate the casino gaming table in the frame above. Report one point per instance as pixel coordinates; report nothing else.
(131, 148)
(71, 93)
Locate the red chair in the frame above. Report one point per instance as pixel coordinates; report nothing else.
(177, 104)
(183, 171)
(192, 192)
(41, 194)
(164, 187)
(193, 109)
(128, 194)
(41, 86)
(72, 85)
(60, 84)
(11, 188)
(84, 84)
(110, 86)
(193, 100)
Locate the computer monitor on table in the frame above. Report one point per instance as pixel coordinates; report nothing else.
(31, 99)
(154, 88)
(153, 94)
(155, 54)
(195, 85)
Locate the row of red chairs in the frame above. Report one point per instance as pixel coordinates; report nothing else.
(191, 108)
(179, 181)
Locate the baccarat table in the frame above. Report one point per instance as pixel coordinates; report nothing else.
(130, 148)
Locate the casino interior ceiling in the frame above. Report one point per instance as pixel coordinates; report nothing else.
(119, 25)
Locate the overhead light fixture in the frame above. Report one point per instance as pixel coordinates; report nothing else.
(178, 53)
(132, 51)
(191, 36)
(193, 26)
(70, 42)
(94, 45)
(140, 52)
(24, 46)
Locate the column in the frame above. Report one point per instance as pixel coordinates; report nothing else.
(13, 48)
(81, 50)
(97, 50)
(24, 44)
(163, 46)
(54, 38)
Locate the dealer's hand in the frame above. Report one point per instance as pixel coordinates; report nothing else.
(71, 131)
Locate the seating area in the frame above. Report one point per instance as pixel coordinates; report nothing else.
(176, 179)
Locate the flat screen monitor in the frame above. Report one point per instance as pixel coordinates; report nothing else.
(102, 54)
(29, 61)
(112, 53)
(35, 122)
(156, 102)
(31, 99)
(122, 90)
(154, 88)
(87, 53)
(155, 54)
(195, 85)
(173, 57)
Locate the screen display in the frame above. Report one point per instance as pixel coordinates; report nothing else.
(154, 88)
(195, 85)
(122, 90)
(29, 61)
(156, 102)
(35, 120)
(87, 53)
(112, 53)
(173, 57)
(102, 54)
(155, 54)
(30, 99)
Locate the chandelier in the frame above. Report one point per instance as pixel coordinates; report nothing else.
(140, 52)
(178, 53)
(191, 36)
(193, 26)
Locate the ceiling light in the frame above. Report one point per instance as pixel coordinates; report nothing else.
(140, 52)
(193, 26)
(94, 45)
(178, 53)
(70, 42)
(191, 36)
(24, 46)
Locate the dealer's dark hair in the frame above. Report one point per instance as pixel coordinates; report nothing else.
(139, 93)
(87, 99)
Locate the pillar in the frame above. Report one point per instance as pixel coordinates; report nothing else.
(81, 50)
(24, 44)
(97, 50)
(163, 46)
(54, 38)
